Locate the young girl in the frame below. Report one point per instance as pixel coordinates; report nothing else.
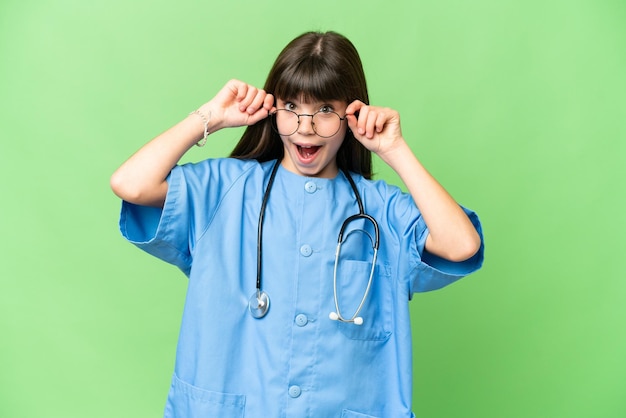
(300, 267)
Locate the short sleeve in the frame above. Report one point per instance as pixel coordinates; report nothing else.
(432, 272)
(162, 233)
(195, 192)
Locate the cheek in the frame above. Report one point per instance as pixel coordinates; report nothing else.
(341, 136)
(336, 145)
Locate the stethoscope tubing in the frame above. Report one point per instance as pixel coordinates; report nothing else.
(259, 302)
(259, 240)
(337, 315)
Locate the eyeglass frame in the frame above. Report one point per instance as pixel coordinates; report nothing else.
(275, 123)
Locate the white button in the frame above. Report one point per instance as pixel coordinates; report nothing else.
(295, 391)
(310, 187)
(306, 250)
(301, 320)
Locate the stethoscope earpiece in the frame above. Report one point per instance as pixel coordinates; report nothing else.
(334, 316)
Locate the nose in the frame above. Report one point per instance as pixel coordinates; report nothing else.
(305, 124)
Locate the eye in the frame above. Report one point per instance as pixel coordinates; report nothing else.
(290, 106)
(326, 109)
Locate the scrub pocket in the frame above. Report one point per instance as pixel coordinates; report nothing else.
(351, 414)
(188, 401)
(352, 278)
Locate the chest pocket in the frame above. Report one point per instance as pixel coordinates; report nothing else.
(351, 414)
(352, 278)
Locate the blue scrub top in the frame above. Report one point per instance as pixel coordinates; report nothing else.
(294, 362)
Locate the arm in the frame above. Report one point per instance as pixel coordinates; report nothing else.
(142, 178)
(452, 236)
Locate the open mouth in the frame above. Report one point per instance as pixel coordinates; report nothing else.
(308, 152)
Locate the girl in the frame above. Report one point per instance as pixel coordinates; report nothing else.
(300, 267)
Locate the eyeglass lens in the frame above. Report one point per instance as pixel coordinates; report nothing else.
(325, 124)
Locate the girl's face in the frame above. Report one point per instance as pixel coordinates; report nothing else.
(311, 145)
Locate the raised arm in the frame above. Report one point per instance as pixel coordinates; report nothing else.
(142, 178)
(451, 234)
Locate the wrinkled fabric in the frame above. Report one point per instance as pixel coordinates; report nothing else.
(294, 362)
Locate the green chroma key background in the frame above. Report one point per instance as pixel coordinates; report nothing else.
(517, 107)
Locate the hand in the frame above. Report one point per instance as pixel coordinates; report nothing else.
(238, 104)
(377, 128)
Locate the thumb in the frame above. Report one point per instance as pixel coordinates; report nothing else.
(258, 116)
(352, 120)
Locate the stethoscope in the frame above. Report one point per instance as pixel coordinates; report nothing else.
(259, 303)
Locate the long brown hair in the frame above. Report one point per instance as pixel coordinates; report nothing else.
(315, 66)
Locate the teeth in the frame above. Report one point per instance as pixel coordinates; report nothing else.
(307, 151)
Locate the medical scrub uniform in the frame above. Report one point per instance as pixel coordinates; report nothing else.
(295, 361)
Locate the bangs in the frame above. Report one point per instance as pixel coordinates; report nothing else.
(314, 67)
(310, 80)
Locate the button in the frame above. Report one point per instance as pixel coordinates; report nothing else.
(301, 320)
(310, 187)
(306, 250)
(295, 391)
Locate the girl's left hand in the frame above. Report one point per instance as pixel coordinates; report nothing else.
(377, 128)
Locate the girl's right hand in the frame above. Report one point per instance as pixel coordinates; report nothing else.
(238, 104)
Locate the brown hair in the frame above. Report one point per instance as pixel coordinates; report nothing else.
(314, 66)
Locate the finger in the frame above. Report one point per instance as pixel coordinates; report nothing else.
(257, 102)
(239, 88)
(354, 107)
(370, 123)
(381, 120)
(364, 112)
(352, 121)
(268, 103)
(251, 93)
(260, 114)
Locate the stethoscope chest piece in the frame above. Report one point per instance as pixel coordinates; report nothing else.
(259, 304)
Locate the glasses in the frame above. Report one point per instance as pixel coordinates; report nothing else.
(325, 123)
